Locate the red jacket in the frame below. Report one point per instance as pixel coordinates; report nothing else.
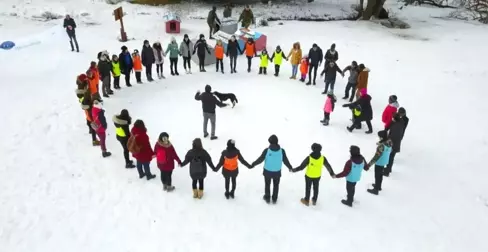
(166, 156)
(388, 114)
(142, 140)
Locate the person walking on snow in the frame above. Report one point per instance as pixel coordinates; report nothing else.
(352, 81)
(166, 157)
(213, 22)
(251, 52)
(277, 58)
(274, 157)
(352, 171)
(380, 160)
(147, 59)
(122, 123)
(174, 52)
(144, 153)
(219, 56)
(116, 71)
(70, 26)
(263, 63)
(99, 124)
(389, 111)
(137, 63)
(329, 107)
(331, 55)
(198, 158)
(201, 48)
(126, 64)
(229, 160)
(233, 49)
(209, 102)
(303, 68)
(362, 79)
(395, 134)
(330, 70)
(314, 61)
(105, 70)
(314, 163)
(362, 111)
(186, 48)
(159, 58)
(295, 56)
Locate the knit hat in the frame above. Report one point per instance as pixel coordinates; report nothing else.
(363, 91)
(402, 111)
(316, 147)
(393, 98)
(354, 150)
(383, 135)
(231, 143)
(208, 88)
(315, 45)
(82, 77)
(123, 48)
(273, 139)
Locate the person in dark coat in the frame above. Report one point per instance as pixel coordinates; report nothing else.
(352, 171)
(213, 21)
(105, 71)
(227, 11)
(362, 112)
(233, 49)
(403, 114)
(330, 71)
(126, 64)
(273, 157)
(201, 48)
(122, 123)
(209, 103)
(314, 61)
(331, 55)
(146, 153)
(186, 49)
(198, 158)
(229, 161)
(395, 134)
(147, 58)
(70, 26)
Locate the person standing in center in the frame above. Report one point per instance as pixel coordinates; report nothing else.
(145, 153)
(295, 56)
(122, 122)
(315, 56)
(186, 48)
(330, 70)
(274, 157)
(201, 48)
(209, 102)
(251, 52)
(174, 52)
(232, 49)
(352, 81)
(147, 59)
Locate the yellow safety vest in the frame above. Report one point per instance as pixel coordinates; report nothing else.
(264, 60)
(120, 132)
(314, 168)
(357, 112)
(278, 57)
(116, 69)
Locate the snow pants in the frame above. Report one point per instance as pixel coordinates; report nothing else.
(309, 183)
(102, 136)
(277, 69)
(92, 131)
(166, 177)
(351, 190)
(267, 187)
(378, 176)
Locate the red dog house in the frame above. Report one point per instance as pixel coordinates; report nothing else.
(172, 22)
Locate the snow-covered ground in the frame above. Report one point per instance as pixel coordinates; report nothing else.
(58, 194)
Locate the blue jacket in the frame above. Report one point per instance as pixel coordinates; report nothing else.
(273, 160)
(355, 173)
(385, 156)
(125, 60)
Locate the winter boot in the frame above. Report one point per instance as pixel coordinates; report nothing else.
(165, 188)
(326, 123)
(308, 83)
(374, 186)
(305, 202)
(314, 202)
(106, 154)
(172, 73)
(96, 143)
(129, 166)
(373, 191)
(203, 70)
(205, 135)
(347, 203)
(235, 70)
(177, 74)
(195, 193)
(350, 129)
(226, 194)
(213, 138)
(151, 176)
(231, 194)
(266, 199)
(369, 132)
(106, 96)
(129, 85)
(274, 201)
(189, 71)
(170, 188)
(200, 194)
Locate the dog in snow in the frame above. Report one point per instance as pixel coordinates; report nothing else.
(224, 97)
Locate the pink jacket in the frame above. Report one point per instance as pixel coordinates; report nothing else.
(98, 116)
(328, 107)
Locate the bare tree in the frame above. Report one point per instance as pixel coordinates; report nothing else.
(479, 8)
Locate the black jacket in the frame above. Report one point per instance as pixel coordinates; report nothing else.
(104, 68)
(331, 72)
(315, 56)
(198, 160)
(397, 129)
(69, 22)
(405, 122)
(200, 47)
(209, 102)
(147, 56)
(232, 48)
(331, 57)
(124, 123)
(231, 153)
(102, 119)
(314, 155)
(364, 103)
(273, 147)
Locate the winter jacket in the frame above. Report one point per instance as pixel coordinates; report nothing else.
(315, 56)
(250, 49)
(363, 79)
(137, 63)
(147, 56)
(126, 64)
(146, 153)
(329, 104)
(70, 26)
(212, 18)
(395, 133)
(295, 56)
(219, 52)
(364, 103)
(264, 58)
(388, 114)
(198, 160)
(353, 74)
(209, 102)
(186, 48)
(98, 115)
(104, 68)
(95, 73)
(405, 122)
(277, 57)
(166, 156)
(331, 56)
(272, 164)
(122, 124)
(247, 18)
(93, 85)
(232, 48)
(173, 50)
(200, 48)
(348, 166)
(158, 55)
(229, 160)
(304, 66)
(306, 162)
(331, 72)
(380, 148)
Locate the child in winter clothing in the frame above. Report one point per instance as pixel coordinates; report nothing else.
(219, 56)
(137, 63)
(166, 157)
(274, 157)
(352, 171)
(277, 58)
(328, 107)
(250, 51)
(86, 105)
(228, 160)
(159, 59)
(263, 65)
(99, 124)
(303, 68)
(198, 158)
(330, 70)
(314, 163)
(174, 52)
(82, 85)
(145, 153)
(93, 77)
(116, 71)
(380, 160)
(122, 122)
(390, 111)
(295, 56)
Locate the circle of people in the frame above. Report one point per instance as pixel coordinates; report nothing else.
(135, 141)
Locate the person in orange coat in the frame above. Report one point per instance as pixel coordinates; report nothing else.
(304, 68)
(137, 63)
(250, 50)
(219, 55)
(92, 82)
(362, 79)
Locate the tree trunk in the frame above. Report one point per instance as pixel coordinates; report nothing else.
(360, 9)
(368, 12)
(378, 7)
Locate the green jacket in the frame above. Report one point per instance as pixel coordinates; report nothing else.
(173, 50)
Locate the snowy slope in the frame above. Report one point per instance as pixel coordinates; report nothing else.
(58, 194)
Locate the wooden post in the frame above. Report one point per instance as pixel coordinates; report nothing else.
(119, 14)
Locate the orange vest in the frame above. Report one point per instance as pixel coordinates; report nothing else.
(304, 66)
(87, 115)
(250, 50)
(230, 163)
(219, 52)
(93, 85)
(136, 61)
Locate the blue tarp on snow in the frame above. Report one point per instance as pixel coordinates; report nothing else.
(7, 45)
